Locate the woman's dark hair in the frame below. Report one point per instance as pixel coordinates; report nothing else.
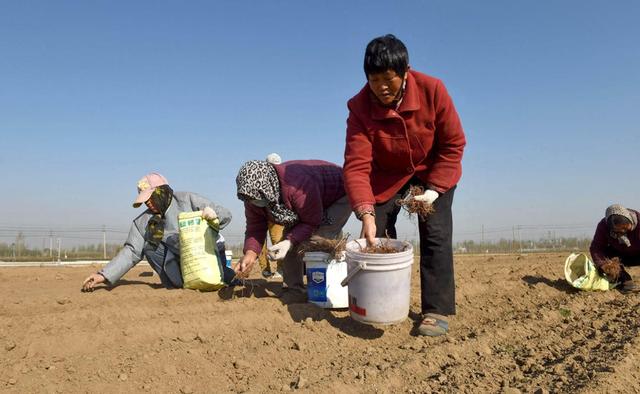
(386, 53)
(617, 220)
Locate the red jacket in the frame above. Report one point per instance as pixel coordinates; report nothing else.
(307, 187)
(385, 147)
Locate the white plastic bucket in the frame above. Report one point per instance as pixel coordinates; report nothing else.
(228, 257)
(379, 284)
(324, 277)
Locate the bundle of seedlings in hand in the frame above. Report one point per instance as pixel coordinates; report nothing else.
(334, 247)
(411, 205)
(612, 268)
(384, 247)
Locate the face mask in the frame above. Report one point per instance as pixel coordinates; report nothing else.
(259, 203)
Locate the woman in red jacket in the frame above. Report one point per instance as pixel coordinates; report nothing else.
(403, 130)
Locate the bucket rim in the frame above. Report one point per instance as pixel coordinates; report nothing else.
(353, 251)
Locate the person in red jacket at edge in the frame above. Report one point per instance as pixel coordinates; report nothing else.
(403, 130)
(616, 244)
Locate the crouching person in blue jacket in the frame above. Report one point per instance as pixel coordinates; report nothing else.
(154, 234)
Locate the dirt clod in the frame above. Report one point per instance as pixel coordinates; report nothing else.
(300, 382)
(9, 346)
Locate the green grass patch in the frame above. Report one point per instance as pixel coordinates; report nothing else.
(564, 312)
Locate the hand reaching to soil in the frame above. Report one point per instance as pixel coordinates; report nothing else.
(92, 281)
(612, 268)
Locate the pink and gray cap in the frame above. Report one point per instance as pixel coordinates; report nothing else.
(146, 185)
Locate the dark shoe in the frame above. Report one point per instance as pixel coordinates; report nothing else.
(433, 325)
(292, 296)
(226, 293)
(629, 287)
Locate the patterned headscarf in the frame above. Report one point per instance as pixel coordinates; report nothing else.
(258, 180)
(161, 199)
(617, 209)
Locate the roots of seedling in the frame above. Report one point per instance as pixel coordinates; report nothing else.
(246, 287)
(334, 247)
(421, 208)
(241, 276)
(384, 247)
(612, 268)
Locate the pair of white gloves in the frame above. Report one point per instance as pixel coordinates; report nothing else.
(279, 250)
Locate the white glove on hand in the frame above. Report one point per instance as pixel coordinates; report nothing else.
(279, 250)
(429, 196)
(209, 214)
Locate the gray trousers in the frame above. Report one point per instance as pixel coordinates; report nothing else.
(293, 266)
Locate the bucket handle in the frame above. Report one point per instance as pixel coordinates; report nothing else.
(361, 265)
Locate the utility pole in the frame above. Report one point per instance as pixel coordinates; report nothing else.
(59, 242)
(50, 243)
(483, 236)
(104, 243)
(519, 239)
(513, 239)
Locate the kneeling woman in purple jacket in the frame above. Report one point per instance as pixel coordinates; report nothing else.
(616, 244)
(307, 197)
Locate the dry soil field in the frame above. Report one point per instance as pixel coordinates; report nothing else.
(519, 328)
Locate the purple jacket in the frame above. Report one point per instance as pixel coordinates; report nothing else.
(605, 246)
(307, 187)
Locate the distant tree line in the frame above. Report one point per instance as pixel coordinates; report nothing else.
(517, 246)
(20, 251)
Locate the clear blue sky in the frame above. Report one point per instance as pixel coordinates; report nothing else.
(94, 94)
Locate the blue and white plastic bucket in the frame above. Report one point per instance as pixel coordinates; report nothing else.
(324, 276)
